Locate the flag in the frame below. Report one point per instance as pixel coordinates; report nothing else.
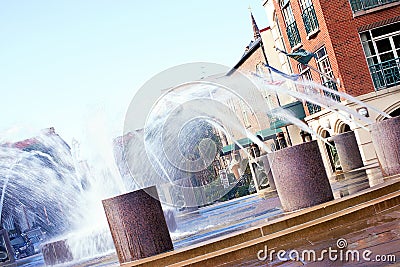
(301, 55)
(293, 77)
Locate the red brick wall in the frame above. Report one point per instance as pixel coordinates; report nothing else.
(251, 63)
(339, 34)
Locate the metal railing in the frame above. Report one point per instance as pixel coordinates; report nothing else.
(293, 34)
(385, 74)
(313, 108)
(310, 19)
(333, 86)
(358, 5)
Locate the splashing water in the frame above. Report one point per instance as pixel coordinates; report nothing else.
(63, 194)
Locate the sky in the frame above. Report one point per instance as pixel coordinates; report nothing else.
(72, 64)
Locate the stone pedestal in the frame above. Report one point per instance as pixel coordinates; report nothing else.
(300, 176)
(137, 225)
(386, 139)
(169, 216)
(6, 251)
(348, 152)
(268, 171)
(56, 253)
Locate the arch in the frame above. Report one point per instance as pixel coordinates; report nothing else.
(395, 113)
(391, 109)
(341, 127)
(320, 130)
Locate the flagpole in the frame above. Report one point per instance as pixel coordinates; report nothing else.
(323, 74)
(277, 95)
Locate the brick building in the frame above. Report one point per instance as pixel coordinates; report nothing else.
(356, 42)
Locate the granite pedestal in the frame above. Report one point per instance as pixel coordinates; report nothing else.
(348, 152)
(300, 176)
(137, 225)
(56, 253)
(385, 137)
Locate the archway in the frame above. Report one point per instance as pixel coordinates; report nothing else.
(395, 113)
(332, 152)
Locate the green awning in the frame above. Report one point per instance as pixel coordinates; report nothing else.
(294, 108)
(244, 142)
(268, 133)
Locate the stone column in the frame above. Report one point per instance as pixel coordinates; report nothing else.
(268, 171)
(137, 225)
(386, 139)
(348, 152)
(300, 176)
(6, 251)
(56, 252)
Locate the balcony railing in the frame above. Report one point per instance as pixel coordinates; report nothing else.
(333, 86)
(386, 74)
(310, 19)
(293, 34)
(313, 108)
(358, 5)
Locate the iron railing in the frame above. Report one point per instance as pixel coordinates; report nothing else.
(385, 74)
(333, 86)
(313, 108)
(310, 19)
(358, 5)
(293, 34)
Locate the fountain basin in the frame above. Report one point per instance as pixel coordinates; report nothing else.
(300, 176)
(385, 137)
(137, 225)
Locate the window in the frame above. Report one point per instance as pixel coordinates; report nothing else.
(358, 5)
(382, 50)
(324, 66)
(290, 22)
(308, 89)
(309, 16)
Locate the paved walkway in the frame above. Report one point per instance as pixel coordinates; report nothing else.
(379, 234)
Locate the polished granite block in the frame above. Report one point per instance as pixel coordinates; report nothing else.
(137, 225)
(56, 253)
(300, 176)
(348, 152)
(385, 137)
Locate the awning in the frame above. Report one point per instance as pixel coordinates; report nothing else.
(294, 108)
(268, 133)
(244, 142)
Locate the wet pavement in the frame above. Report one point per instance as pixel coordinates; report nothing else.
(379, 234)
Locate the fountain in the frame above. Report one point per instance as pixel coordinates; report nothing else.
(174, 155)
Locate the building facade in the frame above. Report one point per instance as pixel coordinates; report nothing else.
(356, 43)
